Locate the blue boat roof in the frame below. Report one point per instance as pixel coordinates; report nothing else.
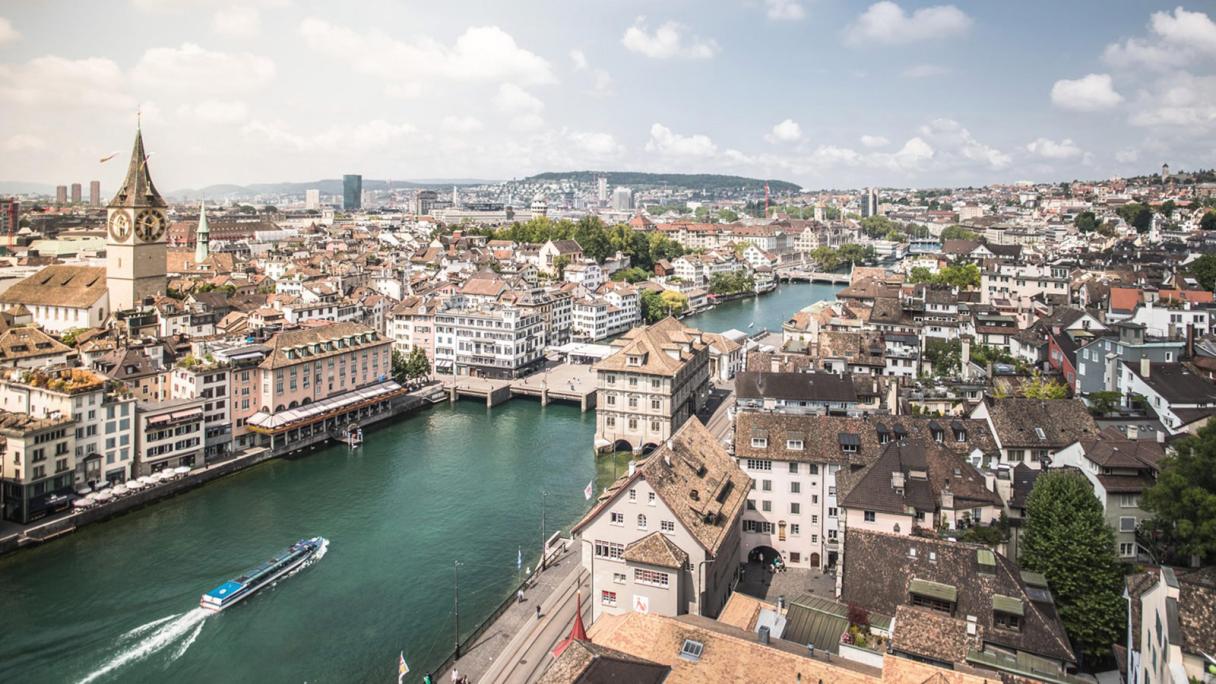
(225, 590)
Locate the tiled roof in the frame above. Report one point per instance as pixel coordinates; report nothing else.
(282, 344)
(879, 568)
(656, 549)
(1018, 422)
(76, 287)
(27, 343)
(819, 386)
(929, 634)
(663, 347)
(943, 470)
(584, 662)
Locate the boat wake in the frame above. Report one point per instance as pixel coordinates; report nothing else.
(153, 638)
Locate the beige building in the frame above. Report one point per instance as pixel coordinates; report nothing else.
(37, 474)
(656, 380)
(664, 538)
(170, 435)
(135, 230)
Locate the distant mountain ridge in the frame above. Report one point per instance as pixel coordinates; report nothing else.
(696, 181)
(327, 186)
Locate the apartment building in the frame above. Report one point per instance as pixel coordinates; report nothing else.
(37, 477)
(314, 364)
(411, 323)
(657, 378)
(1031, 431)
(488, 340)
(1019, 283)
(664, 538)
(209, 380)
(170, 435)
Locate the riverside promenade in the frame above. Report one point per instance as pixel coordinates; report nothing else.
(515, 647)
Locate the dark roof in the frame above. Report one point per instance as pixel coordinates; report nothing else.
(1019, 422)
(795, 386)
(879, 568)
(1176, 383)
(938, 468)
(137, 189)
(1023, 481)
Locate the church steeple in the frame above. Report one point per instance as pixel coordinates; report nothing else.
(137, 189)
(202, 236)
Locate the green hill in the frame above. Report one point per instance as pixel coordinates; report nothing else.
(692, 181)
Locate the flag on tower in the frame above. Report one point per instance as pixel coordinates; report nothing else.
(519, 558)
(589, 489)
(402, 668)
(108, 157)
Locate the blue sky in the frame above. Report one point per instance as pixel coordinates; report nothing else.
(821, 92)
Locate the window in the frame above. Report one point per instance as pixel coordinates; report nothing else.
(1127, 549)
(751, 505)
(1127, 524)
(794, 468)
(1015, 455)
(641, 522)
(758, 526)
(608, 598)
(795, 488)
(831, 511)
(759, 442)
(795, 528)
(650, 498)
(831, 534)
(766, 506)
(814, 519)
(766, 485)
(633, 495)
(795, 557)
(691, 650)
(609, 550)
(1006, 620)
(795, 508)
(667, 526)
(793, 444)
(619, 578)
(617, 518)
(757, 464)
(869, 515)
(1128, 501)
(654, 579)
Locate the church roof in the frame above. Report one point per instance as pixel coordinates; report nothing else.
(137, 189)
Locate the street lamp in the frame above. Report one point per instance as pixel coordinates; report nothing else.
(456, 601)
(544, 563)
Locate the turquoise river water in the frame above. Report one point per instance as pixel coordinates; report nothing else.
(117, 601)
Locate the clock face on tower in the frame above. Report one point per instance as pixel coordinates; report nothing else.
(149, 225)
(120, 227)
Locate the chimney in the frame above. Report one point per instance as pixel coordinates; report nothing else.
(632, 467)
(1145, 366)
(989, 371)
(966, 358)
(1190, 340)
(763, 634)
(1133, 432)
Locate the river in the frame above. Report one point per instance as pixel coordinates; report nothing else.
(117, 601)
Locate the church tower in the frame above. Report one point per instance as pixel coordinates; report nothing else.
(135, 236)
(202, 236)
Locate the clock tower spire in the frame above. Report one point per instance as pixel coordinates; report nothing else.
(135, 244)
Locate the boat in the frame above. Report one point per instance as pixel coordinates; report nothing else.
(240, 588)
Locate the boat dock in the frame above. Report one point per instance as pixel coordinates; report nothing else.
(572, 382)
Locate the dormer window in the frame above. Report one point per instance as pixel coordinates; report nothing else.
(849, 442)
(633, 360)
(1007, 612)
(759, 442)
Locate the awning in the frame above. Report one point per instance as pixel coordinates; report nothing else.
(303, 415)
(1007, 604)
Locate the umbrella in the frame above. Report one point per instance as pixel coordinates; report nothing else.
(103, 485)
(181, 470)
(83, 491)
(80, 503)
(149, 479)
(119, 489)
(135, 484)
(104, 495)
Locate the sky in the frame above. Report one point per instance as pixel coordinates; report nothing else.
(824, 93)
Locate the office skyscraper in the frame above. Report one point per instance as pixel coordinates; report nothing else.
(75, 193)
(9, 210)
(622, 199)
(352, 192)
(95, 193)
(312, 199)
(61, 194)
(869, 203)
(603, 189)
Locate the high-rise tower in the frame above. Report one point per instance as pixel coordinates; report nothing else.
(135, 242)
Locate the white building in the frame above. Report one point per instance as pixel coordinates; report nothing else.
(489, 341)
(210, 382)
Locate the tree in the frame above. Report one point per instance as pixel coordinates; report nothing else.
(1204, 270)
(1183, 500)
(633, 274)
(957, 232)
(1086, 222)
(962, 276)
(731, 283)
(826, 258)
(411, 365)
(855, 253)
(1102, 403)
(727, 216)
(1208, 222)
(1137, 215)
(659, 305)
(877, 226)
(1040, 387)
(1066, 538)
(1167, 208)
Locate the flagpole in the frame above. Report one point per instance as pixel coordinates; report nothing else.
(544, 565)
(456, 601)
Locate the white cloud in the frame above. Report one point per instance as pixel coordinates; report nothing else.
(237, 21)
(512, 99)
(1050, 149)
(664, 141)
(952, 138)
(579, 59)
(215, 111)
(1184, 101)
(481, 54)
(874, 141)
(601, 145)
(1127, 155)
(193, 69)
(925, 71)
(1090, 93)
(461, 124)
(887, 22)
(1177, 39)
(93, 82)
(370, 135)
(784, 10)
(668, 40)
(787, 131)
(599, 79)
(913, 154)
(23, 142)
(7, 32)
